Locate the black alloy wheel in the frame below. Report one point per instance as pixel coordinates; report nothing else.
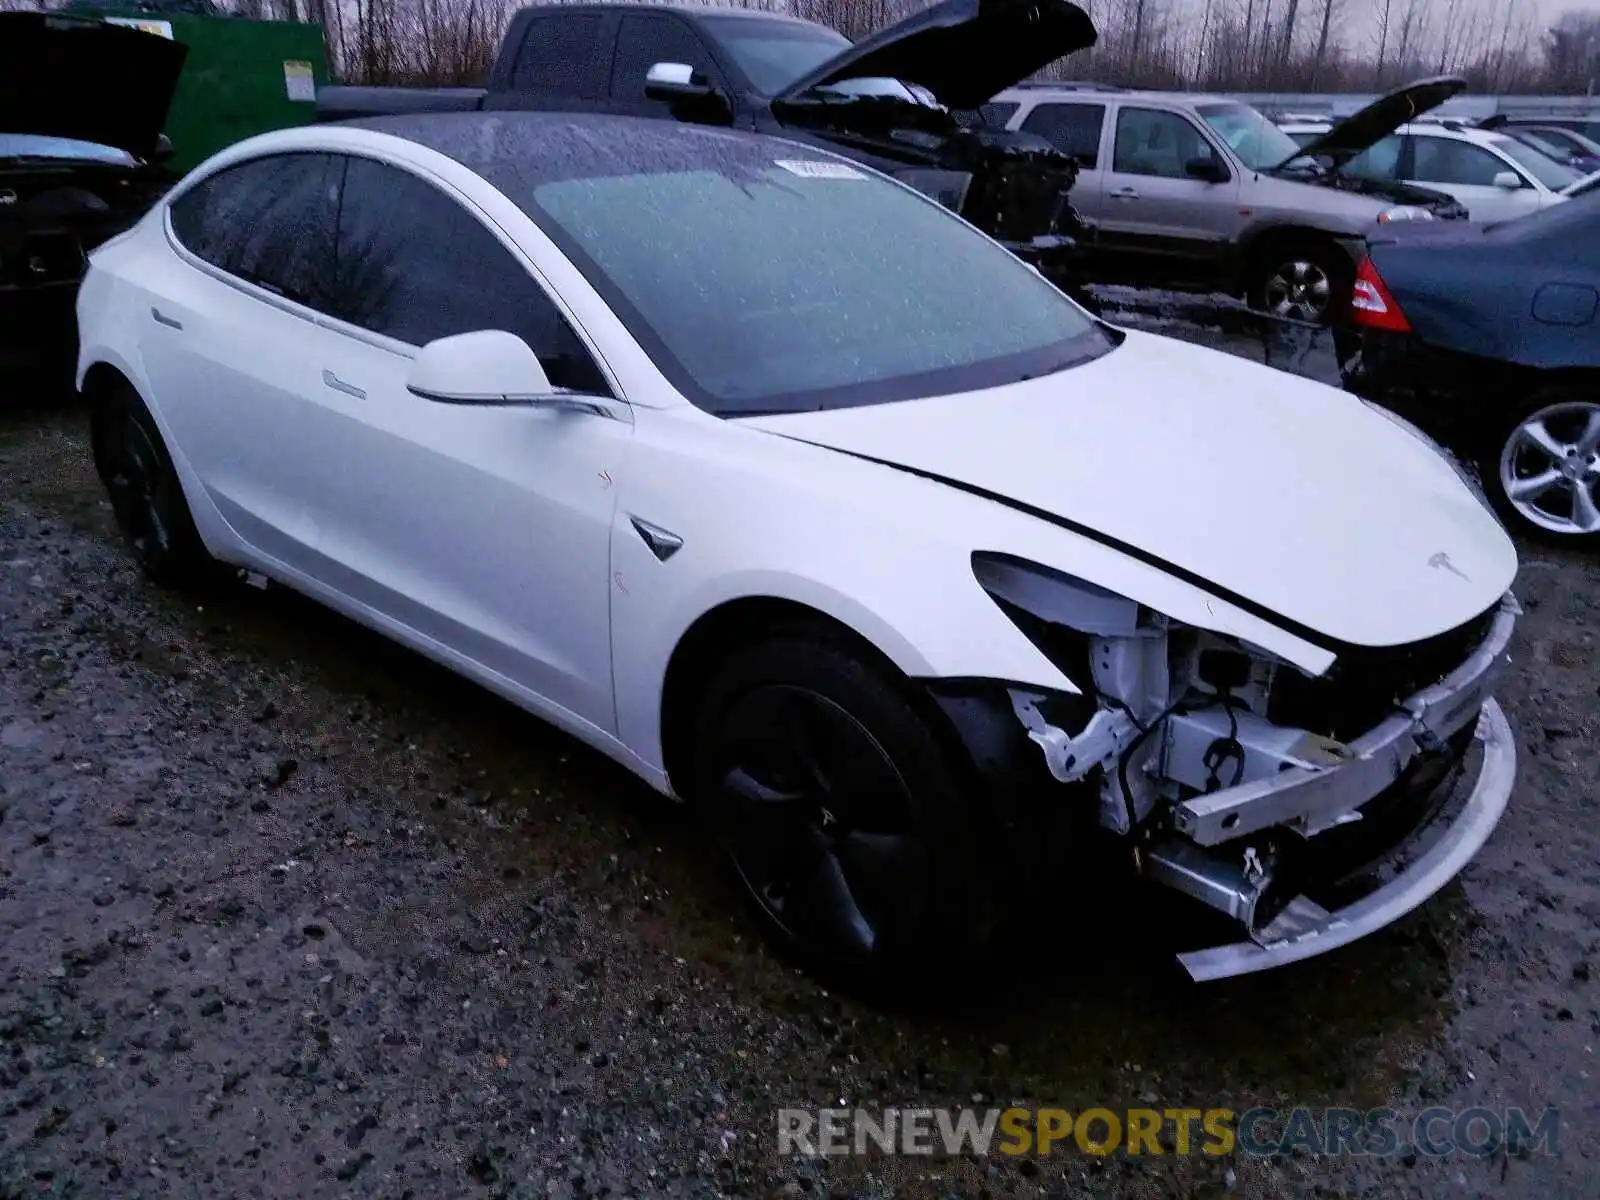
(143, 487)
(838, 810)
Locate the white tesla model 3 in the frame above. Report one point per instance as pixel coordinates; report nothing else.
(783, 486)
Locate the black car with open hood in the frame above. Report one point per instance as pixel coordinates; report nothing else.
(82, 105)
(890, 100)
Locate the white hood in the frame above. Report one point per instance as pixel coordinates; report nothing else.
(1288, 493)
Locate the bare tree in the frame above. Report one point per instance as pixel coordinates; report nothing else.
(1330, 12)
(1385, 13)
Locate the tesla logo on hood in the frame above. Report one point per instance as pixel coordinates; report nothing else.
(1441, 561)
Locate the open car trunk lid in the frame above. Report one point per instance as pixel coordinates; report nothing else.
(1379, 119)
(72, 77)
(963, 51)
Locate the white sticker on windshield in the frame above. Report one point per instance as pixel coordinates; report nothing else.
(809, 168)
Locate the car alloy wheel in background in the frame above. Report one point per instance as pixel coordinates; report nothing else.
(1549, 468)
(1299, 289)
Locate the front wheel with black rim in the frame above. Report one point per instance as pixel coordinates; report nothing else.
(146, 495)
(1303, 281)
(1543, 474)
(840, 811)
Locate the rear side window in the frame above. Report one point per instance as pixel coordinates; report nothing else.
(414, 265)
(645, 40)
(996, 113)
(562, 55)
(1073, 128)
(269, 221)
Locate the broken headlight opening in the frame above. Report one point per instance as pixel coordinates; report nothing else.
(1241, 781)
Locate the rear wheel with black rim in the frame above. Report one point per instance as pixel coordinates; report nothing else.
(146, 495)
(1543, 473)
(841, 811)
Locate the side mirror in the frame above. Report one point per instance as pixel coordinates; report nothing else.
(675, 81)
(1206, 169)
(163, 150)
(1509, 180)
(489, 366)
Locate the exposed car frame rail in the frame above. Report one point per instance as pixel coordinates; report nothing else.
(1382, 754)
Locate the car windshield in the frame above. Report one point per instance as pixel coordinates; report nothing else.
(36, 145)
(797, 281)
(1542, 167)
(1552, 144)
(773, 54)
(1259, 143)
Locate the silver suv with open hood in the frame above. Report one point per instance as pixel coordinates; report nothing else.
(1204, 191)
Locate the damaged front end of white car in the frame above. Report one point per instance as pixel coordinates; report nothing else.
(1310, 809)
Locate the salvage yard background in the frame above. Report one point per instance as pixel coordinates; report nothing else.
(285, 911)
(1500, 46)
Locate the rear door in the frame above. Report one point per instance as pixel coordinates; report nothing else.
(646, 38)
(1468, 172)
(1156, 218)
(1076, 128)
(230, 341)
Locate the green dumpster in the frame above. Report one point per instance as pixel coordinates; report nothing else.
(242, 77)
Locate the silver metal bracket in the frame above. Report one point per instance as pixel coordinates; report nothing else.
(1069, 758)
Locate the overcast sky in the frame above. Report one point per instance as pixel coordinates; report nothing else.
(1547, 11)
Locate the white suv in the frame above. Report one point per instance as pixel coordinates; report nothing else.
(1496, 177)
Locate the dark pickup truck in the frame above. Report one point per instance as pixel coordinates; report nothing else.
(905, 101)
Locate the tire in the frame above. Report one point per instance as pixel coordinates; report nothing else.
(146, 495)
(1542, 469)
(845, 820)
(1302, 280)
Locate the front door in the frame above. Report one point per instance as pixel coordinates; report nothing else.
(646, 38)
(1468, 173)
(485, 530)
(1158, 220)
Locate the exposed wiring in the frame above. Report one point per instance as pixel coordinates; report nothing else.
(1225, 748)
(1230, 748)
(1135, 826)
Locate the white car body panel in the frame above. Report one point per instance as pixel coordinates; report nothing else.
(1172, 485)
(535, 583)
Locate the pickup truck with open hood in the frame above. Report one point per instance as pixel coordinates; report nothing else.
(889, 101)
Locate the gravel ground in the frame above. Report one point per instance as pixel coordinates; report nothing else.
(286, 911)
